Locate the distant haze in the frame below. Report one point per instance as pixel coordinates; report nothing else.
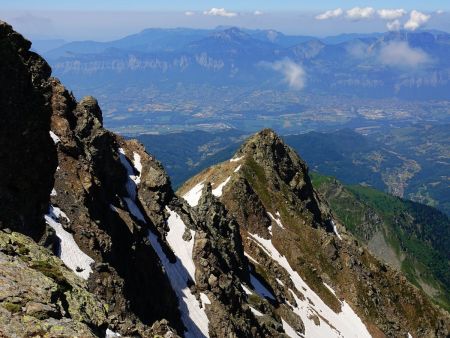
(108, 25)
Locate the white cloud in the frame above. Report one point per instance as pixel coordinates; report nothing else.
(358, 13)
(189, 13)
(334, 13)
(440, 11)
(416, 20)
(293, 73)
(220, 12)
(400, 54)
(394, 25)
(391, 14)
(257, 13)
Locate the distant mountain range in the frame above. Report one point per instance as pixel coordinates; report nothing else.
(394, 64)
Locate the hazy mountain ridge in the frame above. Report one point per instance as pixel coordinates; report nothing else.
(400, 64)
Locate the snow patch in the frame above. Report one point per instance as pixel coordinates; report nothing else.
(134, 209)
(251, 258)
(260, 288)
(53, 193)
(343, 324)
(289, 330)
(246, 289)
(409, 335)
(54, 137)
(181, 248)
(277, 220)
(204, 298)
(329, 288)
(193, 195)
(132, 183)
(218, 191)
(335, 229)
(133, 180)
(137, 162)
(192, 315)
(111, 334)
(237, 168)
(70, 253)
(279, 281)
(260, 246)
(256, 312)
(236, 159)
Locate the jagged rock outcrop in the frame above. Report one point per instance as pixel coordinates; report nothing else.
(220, 268)
(39, 296)
(59, 161)
(305, 255)
(27, 154)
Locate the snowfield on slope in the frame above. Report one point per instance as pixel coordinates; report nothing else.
(179, 273)
(193, 195)
(343, 324)
(218, 190)
(183, 270)
(132, 183)
(70, 253)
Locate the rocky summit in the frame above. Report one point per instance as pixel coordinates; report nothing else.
(95, 243)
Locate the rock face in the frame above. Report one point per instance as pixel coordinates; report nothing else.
(220, 269)
(59, 161)
(299, 250)
(39, 295)
(27, 154)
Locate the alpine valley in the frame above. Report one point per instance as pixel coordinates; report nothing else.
(95, 242)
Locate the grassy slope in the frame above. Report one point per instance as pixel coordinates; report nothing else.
(420, 232)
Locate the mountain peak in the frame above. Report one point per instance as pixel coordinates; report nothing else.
(232, 34)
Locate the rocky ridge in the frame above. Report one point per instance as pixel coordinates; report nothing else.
(288, 230)
(110, 225)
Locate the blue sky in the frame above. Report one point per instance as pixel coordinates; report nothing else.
(244, 5)
(111, 19)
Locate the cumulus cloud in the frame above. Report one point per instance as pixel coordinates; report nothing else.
(400, 54)
(394, 25)
(189, 13)
(416, 20)
(359, 13)
(257, 13)
(391, 14)
(293, 73)
(334, 13)
(220, 12)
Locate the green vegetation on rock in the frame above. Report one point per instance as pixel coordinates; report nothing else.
(418, 234)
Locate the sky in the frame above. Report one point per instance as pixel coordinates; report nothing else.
(111, 19)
